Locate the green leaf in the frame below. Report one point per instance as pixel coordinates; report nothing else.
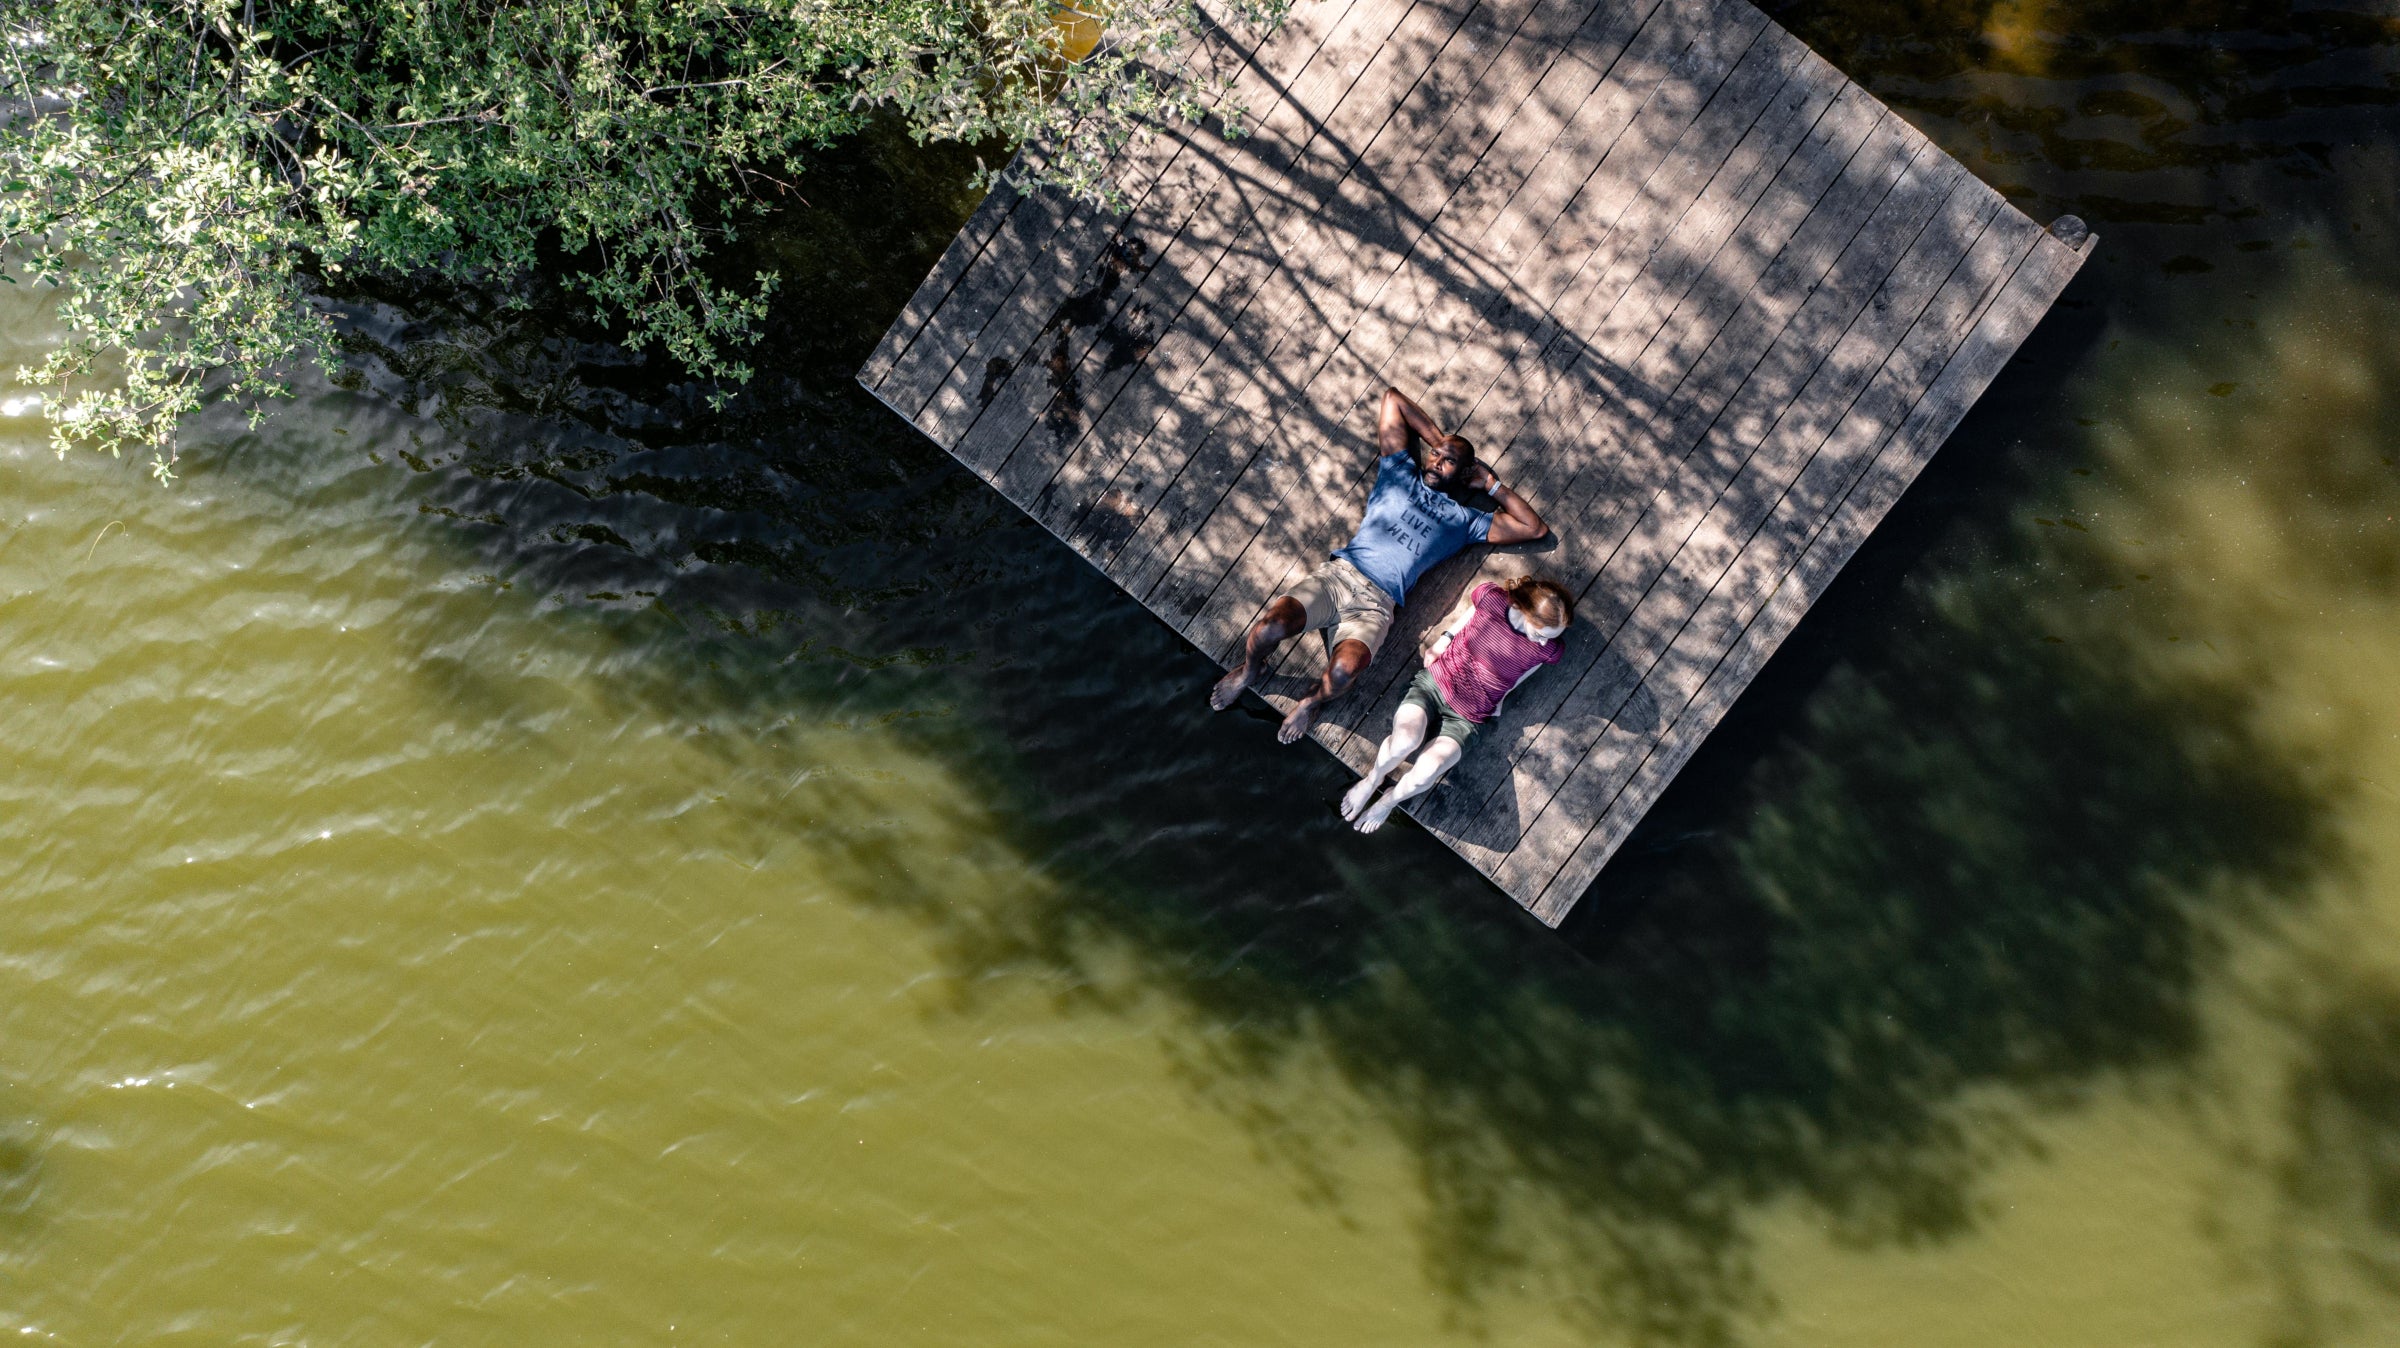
(194, 186)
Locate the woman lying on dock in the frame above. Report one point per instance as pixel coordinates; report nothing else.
(1496, 637)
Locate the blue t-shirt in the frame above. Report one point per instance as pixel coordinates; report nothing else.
(1409, 527)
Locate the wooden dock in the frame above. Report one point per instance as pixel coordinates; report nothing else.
(1706, 303)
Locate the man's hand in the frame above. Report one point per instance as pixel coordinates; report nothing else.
(1482, 478)
(1517, 521)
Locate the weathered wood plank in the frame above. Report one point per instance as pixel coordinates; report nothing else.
(1079, 247)
(990, 213)
(1999, 331)
(1676, 143)
(1766, 192)
(1611, 305)
(1692, 532)
(1829, 347)
(1707, 346)
(959, 313)
(1272, 519)
(1046, 379)
(1085, 377)
(1459, 270)
(1660, 408)
(918, 370)
(1481, 364)
(1101, 490)
(1304, 317)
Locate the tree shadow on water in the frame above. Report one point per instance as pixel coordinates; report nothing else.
(1982, 850)
(20, 1178)
(2002, 871)
(2339, 1188)
(1960, 856)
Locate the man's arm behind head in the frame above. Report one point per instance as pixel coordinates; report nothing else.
(1398, 421)
(1516, 521)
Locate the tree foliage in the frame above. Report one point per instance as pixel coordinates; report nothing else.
(192, 169)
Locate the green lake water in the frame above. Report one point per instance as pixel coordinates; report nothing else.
(503, 854)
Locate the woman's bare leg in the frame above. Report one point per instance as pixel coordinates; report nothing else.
(1408, 731)
(1438, 758)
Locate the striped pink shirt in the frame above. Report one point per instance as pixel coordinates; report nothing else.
(1488, 656)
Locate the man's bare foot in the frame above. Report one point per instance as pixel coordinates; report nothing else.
(1295, 725)
(1229, 689)
(1373, 819)
(1357, 797)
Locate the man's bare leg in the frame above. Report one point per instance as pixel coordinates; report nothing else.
(1429, 768)
(1408, 731)
(1282, 620)
(1350, 659)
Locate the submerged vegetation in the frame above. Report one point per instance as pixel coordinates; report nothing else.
(196, 169)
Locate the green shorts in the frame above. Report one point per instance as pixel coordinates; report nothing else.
(1424, 692)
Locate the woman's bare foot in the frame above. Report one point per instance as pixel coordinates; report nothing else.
(1229, 689)
(1373, 818)
(1295, 726)
(1357, 797)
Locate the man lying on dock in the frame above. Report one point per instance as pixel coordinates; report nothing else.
(1414, 521)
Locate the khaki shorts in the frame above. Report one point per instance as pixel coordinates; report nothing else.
(1338, 595)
